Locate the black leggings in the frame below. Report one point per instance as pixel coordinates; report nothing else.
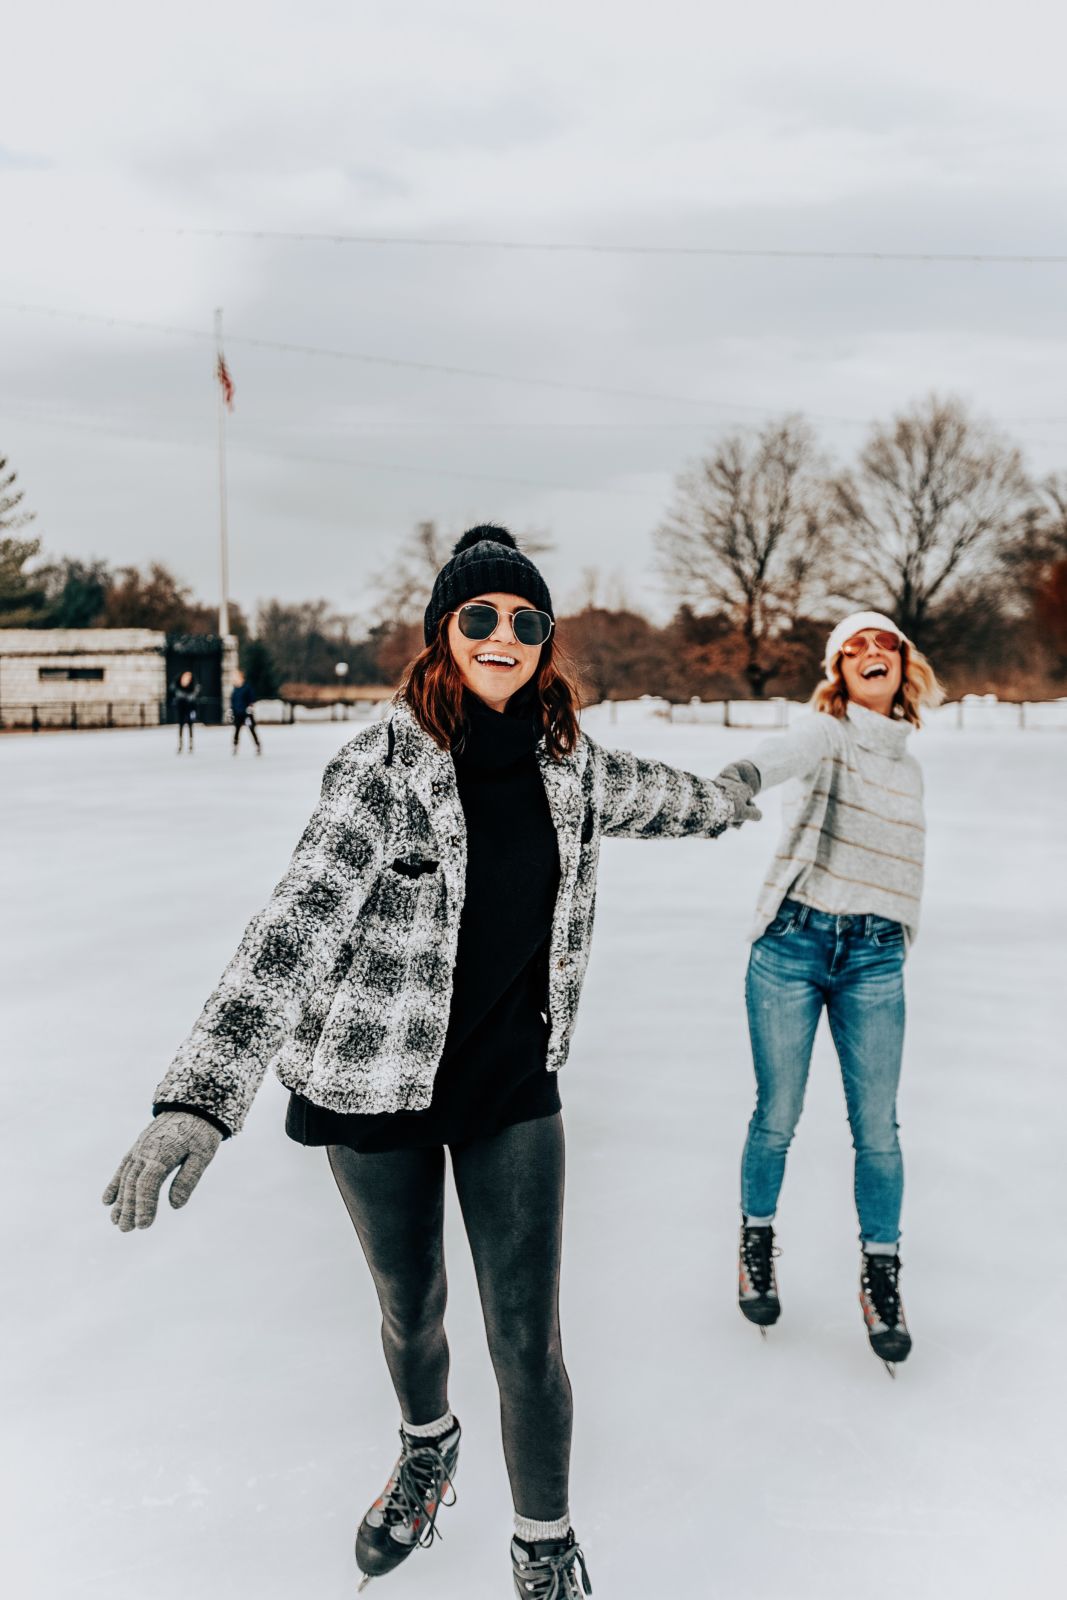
(510, 1190)
(249, 721)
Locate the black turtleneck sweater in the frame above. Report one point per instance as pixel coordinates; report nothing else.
(492, 1071)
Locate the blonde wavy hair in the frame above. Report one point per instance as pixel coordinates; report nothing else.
(919, 686)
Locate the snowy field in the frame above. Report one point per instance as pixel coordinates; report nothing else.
(203, 1409)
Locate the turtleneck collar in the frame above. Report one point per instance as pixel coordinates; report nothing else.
(889, 735)
(495, 738)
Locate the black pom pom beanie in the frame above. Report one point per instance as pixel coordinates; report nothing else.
(484, 561)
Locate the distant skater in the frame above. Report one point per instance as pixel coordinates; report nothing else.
(415, 977)
(186, 696)
(241, 702)
(836, 915)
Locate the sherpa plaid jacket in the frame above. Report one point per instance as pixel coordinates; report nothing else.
(344, 980)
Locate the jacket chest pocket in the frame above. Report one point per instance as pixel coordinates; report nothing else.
(403, 886)
(414, 865)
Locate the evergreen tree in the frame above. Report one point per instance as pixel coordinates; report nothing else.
(23, 603)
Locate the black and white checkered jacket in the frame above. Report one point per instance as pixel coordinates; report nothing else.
(344, 980)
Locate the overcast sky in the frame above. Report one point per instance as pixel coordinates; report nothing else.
(922, 127)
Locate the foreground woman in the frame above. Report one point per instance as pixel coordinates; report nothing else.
(417, 973)
(836, 914)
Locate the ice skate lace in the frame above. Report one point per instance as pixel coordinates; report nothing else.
(552, 1577)
(882, 1280)
(758, 1249)
(418, 1490)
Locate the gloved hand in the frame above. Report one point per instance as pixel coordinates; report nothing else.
(173, 1139)
(741, 782)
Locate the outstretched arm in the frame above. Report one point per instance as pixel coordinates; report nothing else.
(649, 800)
(791, 755)
(288, 950)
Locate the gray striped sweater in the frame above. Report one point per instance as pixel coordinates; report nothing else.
(854, 827)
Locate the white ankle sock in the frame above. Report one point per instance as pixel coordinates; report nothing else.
(881, 1249)
(758, 1222)
(429, 1430)
(533, 1532)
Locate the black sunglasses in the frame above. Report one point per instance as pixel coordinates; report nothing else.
(479, 620)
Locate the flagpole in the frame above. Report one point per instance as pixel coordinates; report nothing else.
(224, 555)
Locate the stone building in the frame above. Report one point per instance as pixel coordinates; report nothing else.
(107, 677)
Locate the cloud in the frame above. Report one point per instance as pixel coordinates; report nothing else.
(23, 161)
(775, 127)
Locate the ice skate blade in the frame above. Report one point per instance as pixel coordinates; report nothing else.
(367, 1576)
(890, 1367)
(763, 1333)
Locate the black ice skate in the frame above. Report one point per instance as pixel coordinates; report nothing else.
(548, 1570)
(757, 1286)
(883, 1310)
(405, 1513)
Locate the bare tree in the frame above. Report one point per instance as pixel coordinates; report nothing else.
(746, 536)
(618, 654)
(404, 586)
(935, 505)
(1048, 531)
(305, 642)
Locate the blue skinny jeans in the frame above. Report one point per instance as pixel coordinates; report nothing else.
(852, 965)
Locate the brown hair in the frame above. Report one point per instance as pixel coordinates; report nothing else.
(433, 689)
(919, 687)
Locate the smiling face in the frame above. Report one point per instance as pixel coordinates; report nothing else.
(873, 677)
(495, 668)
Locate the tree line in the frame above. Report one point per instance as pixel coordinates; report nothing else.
(937, 521)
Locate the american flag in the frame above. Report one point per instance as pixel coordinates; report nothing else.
(222, 372)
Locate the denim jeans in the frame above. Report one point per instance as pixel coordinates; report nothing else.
(852, 965)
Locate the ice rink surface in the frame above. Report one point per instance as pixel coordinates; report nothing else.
(203, 1409)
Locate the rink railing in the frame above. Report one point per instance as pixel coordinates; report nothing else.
(74, 714)
(973, 712)
(85, 713)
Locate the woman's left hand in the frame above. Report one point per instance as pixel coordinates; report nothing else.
(741, 782)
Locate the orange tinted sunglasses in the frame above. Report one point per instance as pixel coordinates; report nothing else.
(860, 643)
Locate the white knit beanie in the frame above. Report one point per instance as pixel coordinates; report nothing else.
(856, 623)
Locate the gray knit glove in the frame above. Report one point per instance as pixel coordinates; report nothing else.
(741, 782)
(173, 1139)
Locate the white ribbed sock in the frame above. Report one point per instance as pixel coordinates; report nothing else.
(758, 1222)
(881, 1249)
(429, 1430)
(533, 1532)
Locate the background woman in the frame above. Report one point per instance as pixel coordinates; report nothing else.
(416, 974)
(242, 699)
(186, 694)
(836, 914)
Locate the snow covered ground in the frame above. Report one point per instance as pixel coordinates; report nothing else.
(203, 1408)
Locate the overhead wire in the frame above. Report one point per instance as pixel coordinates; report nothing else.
(589, 247)
(243, 446)
(290, 347)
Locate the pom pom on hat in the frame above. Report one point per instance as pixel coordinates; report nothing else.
(479, 535)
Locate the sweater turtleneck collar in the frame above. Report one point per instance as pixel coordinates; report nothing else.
(493, 739)
(888, 735)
